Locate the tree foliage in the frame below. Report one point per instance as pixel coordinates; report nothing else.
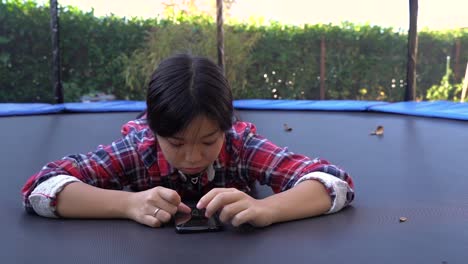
(116, 55)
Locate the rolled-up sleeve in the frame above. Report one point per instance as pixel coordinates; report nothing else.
(42, 199)
(339, 190)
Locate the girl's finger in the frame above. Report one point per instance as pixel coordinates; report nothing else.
(230, 210)
(161, 215)
(150, 221)
(183, 208)
(169, 195)
(206, 199)
(222, 199)
(242, 217)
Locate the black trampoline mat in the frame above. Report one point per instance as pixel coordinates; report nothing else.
(418, 169)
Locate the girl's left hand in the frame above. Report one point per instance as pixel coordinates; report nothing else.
(236, 207)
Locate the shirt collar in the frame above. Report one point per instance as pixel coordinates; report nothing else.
(210, 173)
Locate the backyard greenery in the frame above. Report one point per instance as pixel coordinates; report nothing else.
(115, 55)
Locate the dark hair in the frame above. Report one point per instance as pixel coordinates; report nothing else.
(184, 87)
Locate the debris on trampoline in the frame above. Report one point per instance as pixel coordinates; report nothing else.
(378, 131)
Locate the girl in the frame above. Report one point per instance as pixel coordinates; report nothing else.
(187, 147)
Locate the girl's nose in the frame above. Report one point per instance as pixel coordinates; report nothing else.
(193, 155)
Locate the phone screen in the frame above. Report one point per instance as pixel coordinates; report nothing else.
(197, 222)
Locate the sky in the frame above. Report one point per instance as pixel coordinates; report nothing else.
(433, 14)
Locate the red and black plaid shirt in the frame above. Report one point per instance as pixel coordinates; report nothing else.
(136, 161)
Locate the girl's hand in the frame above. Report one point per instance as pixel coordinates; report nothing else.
(236, 207)
(142, 207)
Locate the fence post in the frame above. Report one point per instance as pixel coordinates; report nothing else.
(54, 26)
(410, 94)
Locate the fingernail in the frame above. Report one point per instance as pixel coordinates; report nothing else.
(199, 205)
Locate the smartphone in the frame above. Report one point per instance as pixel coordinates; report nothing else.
(196, 221)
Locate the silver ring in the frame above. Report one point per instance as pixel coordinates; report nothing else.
(156, 211)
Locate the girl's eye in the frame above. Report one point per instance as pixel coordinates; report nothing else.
(209, 143)
(176, 145)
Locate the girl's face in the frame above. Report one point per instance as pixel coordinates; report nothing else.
(194, 149)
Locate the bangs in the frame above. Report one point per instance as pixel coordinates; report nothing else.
(175, 116)
(183, 88)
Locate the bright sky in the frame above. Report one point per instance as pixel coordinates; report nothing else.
(435, 14)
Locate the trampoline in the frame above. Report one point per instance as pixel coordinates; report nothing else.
(418, 169)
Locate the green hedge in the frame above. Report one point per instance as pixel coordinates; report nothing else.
(92, 50)
(109, 54)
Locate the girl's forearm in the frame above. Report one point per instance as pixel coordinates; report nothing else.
(80, 200)
(307, 199)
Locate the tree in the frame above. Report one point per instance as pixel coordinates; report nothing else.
(220, 33)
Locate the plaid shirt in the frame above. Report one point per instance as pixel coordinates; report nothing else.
(136, 161)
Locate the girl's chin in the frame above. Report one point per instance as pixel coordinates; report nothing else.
(192, 170)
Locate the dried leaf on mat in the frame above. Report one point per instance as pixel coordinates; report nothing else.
(378, 131)
(287, 128)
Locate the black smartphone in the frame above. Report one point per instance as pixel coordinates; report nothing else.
(197, 222)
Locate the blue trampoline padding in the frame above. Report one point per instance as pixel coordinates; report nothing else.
(327, 105)
(11, 109)
(442, 109)
(108, 106)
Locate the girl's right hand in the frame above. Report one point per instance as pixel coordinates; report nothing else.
(142, 207)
